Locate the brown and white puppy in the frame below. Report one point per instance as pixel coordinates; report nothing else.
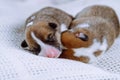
(44, 25)
(92, 33)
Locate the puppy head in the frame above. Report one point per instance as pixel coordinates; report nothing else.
(85, 41)
(76, 38)
(45, 31)
(46, 50)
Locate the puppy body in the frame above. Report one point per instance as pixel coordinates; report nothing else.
(45, 24)
(92, 33)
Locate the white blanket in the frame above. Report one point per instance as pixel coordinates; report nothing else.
(17, 64)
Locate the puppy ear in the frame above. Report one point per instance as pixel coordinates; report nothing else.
(82, 36)
(52, 25)
(73, 24)
(24, 44)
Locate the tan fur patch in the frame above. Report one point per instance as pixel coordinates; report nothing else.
(97, 53)
(68, 54)
(69, 40)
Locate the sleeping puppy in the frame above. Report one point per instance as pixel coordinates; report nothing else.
(44, 25)
(92, 33)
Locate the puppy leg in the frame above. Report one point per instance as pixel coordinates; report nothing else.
(24, 44)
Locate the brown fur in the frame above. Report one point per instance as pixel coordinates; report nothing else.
(69, 40)
(98, 29)
(103, 22)
(42, 28)
(97, 53)
(68, 54)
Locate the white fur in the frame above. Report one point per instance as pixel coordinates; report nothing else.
(90, 50)
(63, 27)
(29, 24)
(104, 46)
(83, 25)
(43, 46)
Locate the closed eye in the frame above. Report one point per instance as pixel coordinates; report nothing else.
(50, 38)
(82, 36)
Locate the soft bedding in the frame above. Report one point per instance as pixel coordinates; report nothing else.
(17, 64)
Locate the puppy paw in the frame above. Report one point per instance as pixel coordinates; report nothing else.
(24, 44)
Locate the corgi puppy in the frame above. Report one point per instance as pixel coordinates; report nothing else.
(92, 33)
(45, 25)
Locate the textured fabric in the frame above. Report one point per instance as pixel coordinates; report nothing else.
(17, 64)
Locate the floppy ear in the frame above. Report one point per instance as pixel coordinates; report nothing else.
(52, 25)
(73, 24)
(82, 36)
(24, 44)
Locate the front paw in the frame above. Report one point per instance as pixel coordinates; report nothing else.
(35, 50)
(24, 44)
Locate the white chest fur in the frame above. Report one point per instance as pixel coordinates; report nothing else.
(89, 51)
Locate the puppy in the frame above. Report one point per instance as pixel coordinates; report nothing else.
(92, 33)
(44, 25)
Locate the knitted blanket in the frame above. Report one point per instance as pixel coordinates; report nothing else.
(18, 64)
